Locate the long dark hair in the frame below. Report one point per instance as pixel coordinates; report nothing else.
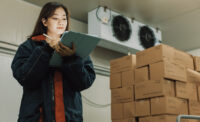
(46, 12)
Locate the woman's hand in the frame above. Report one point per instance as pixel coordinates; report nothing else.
(64, 50)
(53, 42)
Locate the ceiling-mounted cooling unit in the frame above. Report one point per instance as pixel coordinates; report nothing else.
(120, 33)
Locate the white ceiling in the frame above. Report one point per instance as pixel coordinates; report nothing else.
(177, 19)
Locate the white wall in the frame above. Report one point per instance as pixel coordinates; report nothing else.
(17, 21)
(195, 52)
(10, 91)
(100, 94)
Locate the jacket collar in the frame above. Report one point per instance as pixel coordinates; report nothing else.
(39, 38)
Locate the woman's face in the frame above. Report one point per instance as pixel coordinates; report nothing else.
(57, 23)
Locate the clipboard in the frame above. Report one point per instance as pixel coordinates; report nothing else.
(84, 44)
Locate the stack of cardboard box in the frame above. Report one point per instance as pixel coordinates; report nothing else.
(164, 85)
(122, 88)
(170, 87)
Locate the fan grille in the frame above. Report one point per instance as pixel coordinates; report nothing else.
(147, 37)
(121, 28)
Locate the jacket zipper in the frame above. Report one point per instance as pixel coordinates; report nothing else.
(53, 98)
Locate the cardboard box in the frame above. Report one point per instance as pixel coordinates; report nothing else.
(129, 110)
(198, 92)
(128, 78)
(121, 95)
(142, 108)
(123, 64)
(193, 76)
(160, 52)
(161, 118)
(125, 120)
(184, 58)
(168, 105)
(154, 54)
(117, 111)
(141, 74)
(197, 63)
(145, 119)
(169, 70)
(154, 88)
(115, 80)
(186, 90)
(194, 107)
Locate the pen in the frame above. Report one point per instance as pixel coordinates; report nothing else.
(47, 36)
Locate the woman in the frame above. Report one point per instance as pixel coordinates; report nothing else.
(51, 94)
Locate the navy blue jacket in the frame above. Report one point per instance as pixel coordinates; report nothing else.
(31, 69)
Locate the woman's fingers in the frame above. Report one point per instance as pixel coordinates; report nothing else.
(60, 47)
(66, 51)
(64, 48)
(73, 47)
(52, 42)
